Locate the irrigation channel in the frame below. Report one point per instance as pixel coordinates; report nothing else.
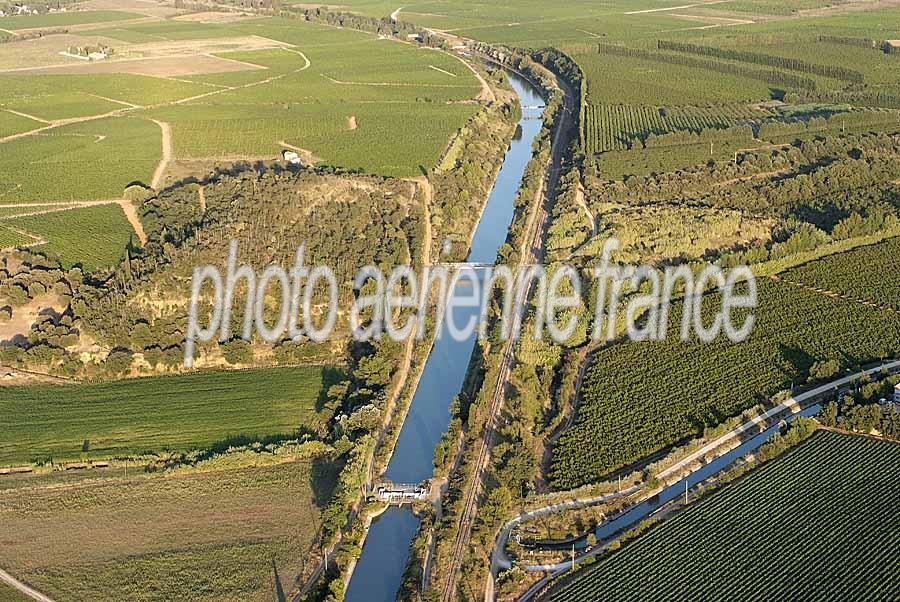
(378, 574)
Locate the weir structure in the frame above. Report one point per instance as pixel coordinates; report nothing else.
(401, 493)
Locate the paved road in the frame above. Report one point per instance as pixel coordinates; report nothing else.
(791, 406)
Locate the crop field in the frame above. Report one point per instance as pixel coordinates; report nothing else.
(10, 124)
(715, 56)
(8, 594)
(10, 238)
(93, 237)
(149, 415)
(347, 97)
(225, 535)
(61, 105)
(618, 164)
(771, 535)
(15, 23)
(640, 397)
(863, 273)
(95, 159)
(615, 127)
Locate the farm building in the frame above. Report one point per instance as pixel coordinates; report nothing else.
(892, 46)
(292, 157)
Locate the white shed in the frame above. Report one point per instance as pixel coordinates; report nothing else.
(292, 157)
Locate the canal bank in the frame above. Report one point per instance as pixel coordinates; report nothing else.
(378, 573)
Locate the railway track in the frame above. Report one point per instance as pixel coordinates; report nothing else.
(534, 254)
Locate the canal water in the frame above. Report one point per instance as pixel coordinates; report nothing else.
(385, 553)
(648, 507)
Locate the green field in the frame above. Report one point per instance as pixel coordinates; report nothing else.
(93, 237)
(220, 536)
(62, 19)
(79, 162)
(10, 238)
(11, 123)
(153, 414)
(864, 273)
(641, 397)
(8, 594)
(771, 535)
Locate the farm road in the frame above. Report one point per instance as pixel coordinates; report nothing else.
(21, 587)
(166, 130)
(44, 208)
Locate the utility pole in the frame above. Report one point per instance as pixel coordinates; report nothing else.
(685, 492)
(573, 557)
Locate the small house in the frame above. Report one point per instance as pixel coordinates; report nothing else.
(292, 157)
(416, 37)
(97, 56)
(897, 394)
(891, 46)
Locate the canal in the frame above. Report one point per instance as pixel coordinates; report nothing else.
(379, 572)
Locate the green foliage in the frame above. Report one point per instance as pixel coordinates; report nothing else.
(640, 398)
(770, 76)
(744, 56)
(68, 18)
(149, 415)
(79, 162)
(866, 273)
(610, 127)
(10, 124)
(93, 237)
(785, 508)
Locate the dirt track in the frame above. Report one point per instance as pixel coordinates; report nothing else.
(166, 153)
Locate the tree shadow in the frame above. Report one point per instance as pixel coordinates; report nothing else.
(279, 590)
(331, 376)
(324, 480)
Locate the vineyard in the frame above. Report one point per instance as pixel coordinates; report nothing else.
(148, 415)
(769, 60)
(640, 398)
(616, 127)
(866, 273)
(212, 535)
(79, 162)
(771, 535)
(16, 23)
(11, 123)
(10, 238)
(7, 593)
(92, 237)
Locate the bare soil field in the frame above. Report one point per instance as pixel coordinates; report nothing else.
(214, 17)
(45, 51)
(206, 46)
(163, 66)
(144, 7)
(24, 316)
